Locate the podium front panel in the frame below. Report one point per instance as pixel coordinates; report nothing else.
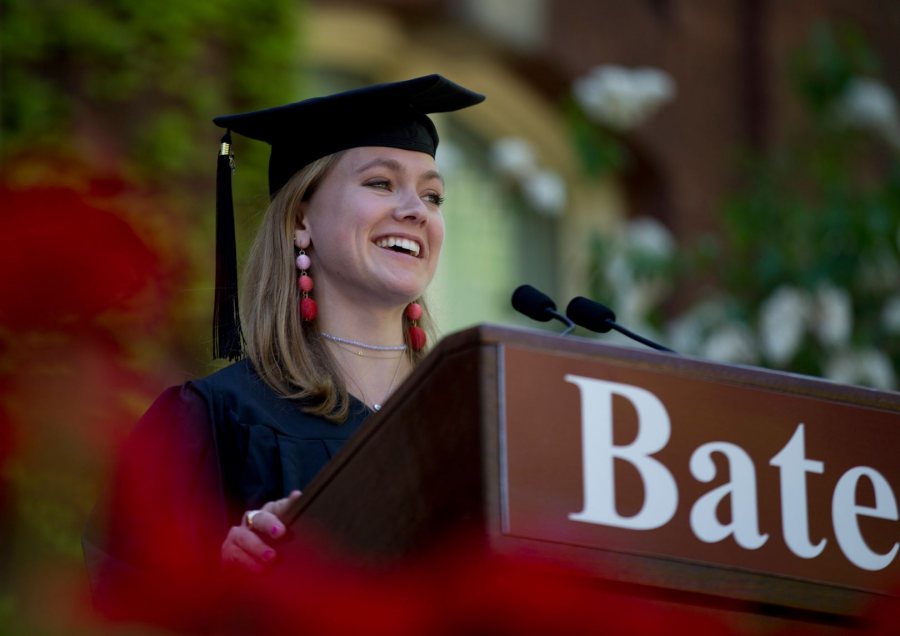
(659, 461)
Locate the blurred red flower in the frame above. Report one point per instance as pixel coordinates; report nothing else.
(67, 261)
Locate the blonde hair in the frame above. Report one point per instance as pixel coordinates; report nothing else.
(287, 353)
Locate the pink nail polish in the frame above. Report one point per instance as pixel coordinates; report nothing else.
(276, 530)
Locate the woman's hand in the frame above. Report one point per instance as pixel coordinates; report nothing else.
(246, 547)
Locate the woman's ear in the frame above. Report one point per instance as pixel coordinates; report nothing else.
(302, 237)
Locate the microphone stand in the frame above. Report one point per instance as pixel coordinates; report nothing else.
(637, 337)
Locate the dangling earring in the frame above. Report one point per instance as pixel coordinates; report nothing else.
(308, 307)
(416, 333)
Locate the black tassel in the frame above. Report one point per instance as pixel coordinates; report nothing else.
(227, 336)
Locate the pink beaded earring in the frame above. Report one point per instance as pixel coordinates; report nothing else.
(416, 333)
(308, 307)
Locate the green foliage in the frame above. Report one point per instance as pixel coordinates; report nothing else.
(148, 73)
(821, 71)
(821, 210)
(599, 150)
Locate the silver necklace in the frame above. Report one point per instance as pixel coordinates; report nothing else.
(363, 345)
(375, 405)
(376, 355)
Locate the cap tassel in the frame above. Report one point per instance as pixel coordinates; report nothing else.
(227, 336)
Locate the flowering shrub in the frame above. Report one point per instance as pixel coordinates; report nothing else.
(515, 160)
(633, 271)
(806, 276)
(607, 103)
(623, 98)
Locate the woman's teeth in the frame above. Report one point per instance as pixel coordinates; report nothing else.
(399, 244)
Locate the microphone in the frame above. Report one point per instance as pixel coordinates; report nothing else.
(600, 318)
(538, 306)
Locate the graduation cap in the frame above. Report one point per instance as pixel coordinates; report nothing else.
(393, 115)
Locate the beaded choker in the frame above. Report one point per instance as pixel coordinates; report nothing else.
(363, 345)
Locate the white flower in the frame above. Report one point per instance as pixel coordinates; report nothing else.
(513, 157)
(782, 323)
(636, 295)
(831, 317)
(637, 300)
(687, 332)
(868, 103)
(646, 234)
(623, 98)
(618, 270)
(733, 343)
(862, 366)
(545, 191)
(890, 314)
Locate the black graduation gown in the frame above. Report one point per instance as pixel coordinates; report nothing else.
(204, 453)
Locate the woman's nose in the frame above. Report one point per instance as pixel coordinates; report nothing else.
(411, 208)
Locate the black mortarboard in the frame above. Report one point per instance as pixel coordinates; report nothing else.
(393, 115)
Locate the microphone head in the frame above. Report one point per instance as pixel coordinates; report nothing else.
(533, 303)
(590, 314)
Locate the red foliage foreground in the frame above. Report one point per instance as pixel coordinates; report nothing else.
(455, 592)
(456, 589)
(66, 260)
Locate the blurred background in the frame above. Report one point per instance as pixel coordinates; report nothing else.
(725, 175)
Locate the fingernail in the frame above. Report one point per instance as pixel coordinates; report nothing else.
(276, 530)
(268, 555)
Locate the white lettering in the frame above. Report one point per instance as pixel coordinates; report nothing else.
(739, 493)
(599, 453)
(845, 510)
(793, 466)
(741, 488)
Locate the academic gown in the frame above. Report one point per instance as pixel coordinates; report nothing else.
(203, 454)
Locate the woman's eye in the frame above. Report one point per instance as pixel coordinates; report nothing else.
(434, 198)
(383, 184)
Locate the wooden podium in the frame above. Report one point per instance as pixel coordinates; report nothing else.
(725, 486)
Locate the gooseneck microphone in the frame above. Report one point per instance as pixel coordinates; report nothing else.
(600, 318)
(538, 306)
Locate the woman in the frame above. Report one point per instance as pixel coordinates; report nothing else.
(333, 323)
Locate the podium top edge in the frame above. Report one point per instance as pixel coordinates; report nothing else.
(493, 335)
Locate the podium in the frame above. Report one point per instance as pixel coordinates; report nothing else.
(731, 487)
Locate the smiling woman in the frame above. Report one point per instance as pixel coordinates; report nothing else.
(375, 225)
(333, 322)
(368, 222)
